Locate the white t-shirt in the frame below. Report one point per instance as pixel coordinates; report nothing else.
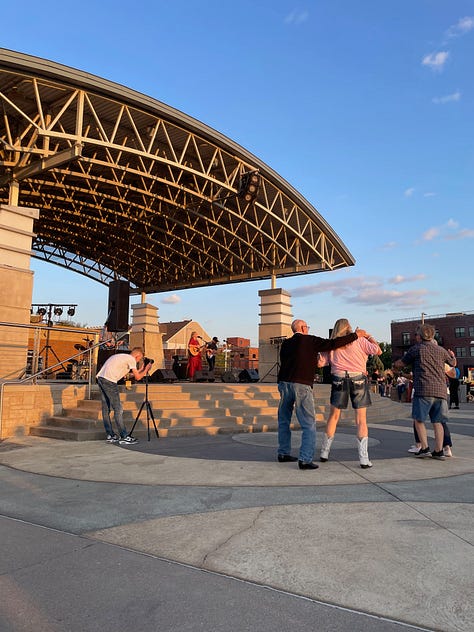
(117, 366)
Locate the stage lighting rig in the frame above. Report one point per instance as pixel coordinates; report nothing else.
(249, 185)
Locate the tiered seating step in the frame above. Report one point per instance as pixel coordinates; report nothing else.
(185, 409)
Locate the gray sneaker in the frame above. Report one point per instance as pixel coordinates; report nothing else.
(112, 439)
(128, 440)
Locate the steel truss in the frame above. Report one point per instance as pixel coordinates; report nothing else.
(130, 188)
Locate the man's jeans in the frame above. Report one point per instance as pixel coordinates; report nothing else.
(300, 398)
(110, 396)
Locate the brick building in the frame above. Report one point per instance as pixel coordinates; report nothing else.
(453, 331)
(241, 354)
(234, 353)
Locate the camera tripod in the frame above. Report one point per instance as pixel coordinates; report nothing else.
(149, 413)
(275, 368)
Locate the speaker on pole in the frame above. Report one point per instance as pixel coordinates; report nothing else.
(119, 293)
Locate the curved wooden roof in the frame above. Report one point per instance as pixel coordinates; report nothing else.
(130, 188)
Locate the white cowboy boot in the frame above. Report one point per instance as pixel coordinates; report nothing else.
(362, 445)
(326, 446)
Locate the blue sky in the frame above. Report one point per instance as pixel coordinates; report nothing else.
(365, 107)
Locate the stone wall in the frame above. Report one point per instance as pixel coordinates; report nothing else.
(24, 406)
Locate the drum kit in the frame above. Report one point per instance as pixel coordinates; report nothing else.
(80, 368)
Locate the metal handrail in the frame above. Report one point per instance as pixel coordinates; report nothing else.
(33, 378)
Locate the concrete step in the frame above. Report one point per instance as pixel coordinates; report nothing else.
(203, 409)
(67, 433)
(75, 433)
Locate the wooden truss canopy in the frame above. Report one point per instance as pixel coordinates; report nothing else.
(130, 188)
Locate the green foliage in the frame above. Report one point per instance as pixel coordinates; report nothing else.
(386, 356)
(374, 363)
(382, 362)
(70, 323)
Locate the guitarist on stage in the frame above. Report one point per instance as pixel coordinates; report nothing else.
(211, 350)
(195, 345)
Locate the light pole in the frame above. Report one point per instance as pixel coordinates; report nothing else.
(48, 309)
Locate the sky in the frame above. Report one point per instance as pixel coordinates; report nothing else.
(366, 108)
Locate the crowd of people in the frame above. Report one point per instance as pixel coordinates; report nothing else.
(346, 352)
(433, 378)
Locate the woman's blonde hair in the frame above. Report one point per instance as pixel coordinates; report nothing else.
(342, 327)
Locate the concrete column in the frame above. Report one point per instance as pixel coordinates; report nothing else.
(145, 332)
(275, 322)
(16, 286)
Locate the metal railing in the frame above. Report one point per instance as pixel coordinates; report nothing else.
(35, 375)
(415, 319)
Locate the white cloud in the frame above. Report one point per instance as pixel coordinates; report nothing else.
(448, 98)
(435, 61)
(391, 298)
(390, 245)
(430, 234)
(448, 232)
(464, 233)
(297, 17)
(396, 280)
(429, 194)
(409, 192)
(367, 291)
(462, 26)
(171, 300)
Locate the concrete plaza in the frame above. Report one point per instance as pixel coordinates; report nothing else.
(211, 533)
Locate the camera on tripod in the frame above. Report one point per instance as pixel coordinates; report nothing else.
(147, 361)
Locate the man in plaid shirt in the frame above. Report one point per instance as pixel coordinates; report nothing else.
(429, 381)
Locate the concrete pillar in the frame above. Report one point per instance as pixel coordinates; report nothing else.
(16, 286)
(275, 322)
(145, 332)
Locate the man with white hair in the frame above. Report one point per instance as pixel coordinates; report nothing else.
(298, 363)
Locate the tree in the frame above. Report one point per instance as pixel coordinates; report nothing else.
(386, 356)
(374, 363)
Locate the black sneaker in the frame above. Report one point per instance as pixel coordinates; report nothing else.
(423, 452)
(286, 458)
(112, 439)
(128, 440)
(303, 465)
(438, 455)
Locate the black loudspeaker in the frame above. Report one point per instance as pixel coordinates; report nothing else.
(180, 367)
(163, 375)
(248, 375)
(230, 376)
(119, 294)
(204, 376)
(327, 377)
(63, 376)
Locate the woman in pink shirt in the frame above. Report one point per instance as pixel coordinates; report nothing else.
(349, 379)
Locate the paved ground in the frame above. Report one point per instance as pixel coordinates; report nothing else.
(211, 533)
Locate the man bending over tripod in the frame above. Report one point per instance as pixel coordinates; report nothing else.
(114, 369)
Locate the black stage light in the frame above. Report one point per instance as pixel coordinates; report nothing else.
(41, 311)
(71, 311)
(58, 311)
(249, 185)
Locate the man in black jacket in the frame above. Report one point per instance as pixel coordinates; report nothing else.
(298, 363)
